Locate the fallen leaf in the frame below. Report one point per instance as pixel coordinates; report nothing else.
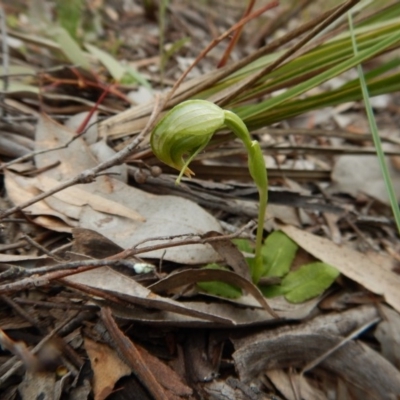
(236, 314)
(361, 173)
(93, 244)
(166, 376)
(294, 385)
(107, 368)
(106, 279)
(78, 197)
(231, 254)
(387, 333)
(38, 385)
(21, 189)
(372, 272)
(204, 275)
(112, 207)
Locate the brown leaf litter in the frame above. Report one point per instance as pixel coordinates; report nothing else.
(101, 251)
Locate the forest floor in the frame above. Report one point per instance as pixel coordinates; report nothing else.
(100, 266)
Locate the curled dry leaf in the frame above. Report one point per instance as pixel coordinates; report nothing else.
(231, 254)
(107, 368)
(236, 314)
(118, 284)
(203, 275)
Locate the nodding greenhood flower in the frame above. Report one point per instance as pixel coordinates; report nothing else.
(186, 130)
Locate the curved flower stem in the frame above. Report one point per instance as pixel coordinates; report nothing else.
(258, 172)
(186, 130)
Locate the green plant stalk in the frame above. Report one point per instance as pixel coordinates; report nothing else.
(375, 134)
(187, 129)
(258, 172)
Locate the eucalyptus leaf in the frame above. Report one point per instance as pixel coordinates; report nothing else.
(278, 254)
(308, 281)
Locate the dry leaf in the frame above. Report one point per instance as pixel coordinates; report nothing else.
(231, 254)
(203, 275)
(107, 368)
(21, 189)
(109, 280)
(78, 196)
(387, 333)
(38, 385)
(362, 173)
(108, 205)
(237, 315)
(294, 385)
(166, 376)
(367, 270)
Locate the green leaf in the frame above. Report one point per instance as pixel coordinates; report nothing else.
(220, 288)
(69, 15)
(308, 281)
(243, 245)
(113, 66)
(278, 254)
(132, 75)
(69, 47)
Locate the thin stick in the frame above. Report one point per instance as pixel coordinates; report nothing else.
(6, 56)
(236, 36)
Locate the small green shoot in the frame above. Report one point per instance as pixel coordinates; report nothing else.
(69, 46)
(121, 73)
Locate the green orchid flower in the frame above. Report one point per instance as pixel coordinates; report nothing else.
(187, 129)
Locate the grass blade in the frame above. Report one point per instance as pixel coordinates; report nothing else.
(375, 134)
